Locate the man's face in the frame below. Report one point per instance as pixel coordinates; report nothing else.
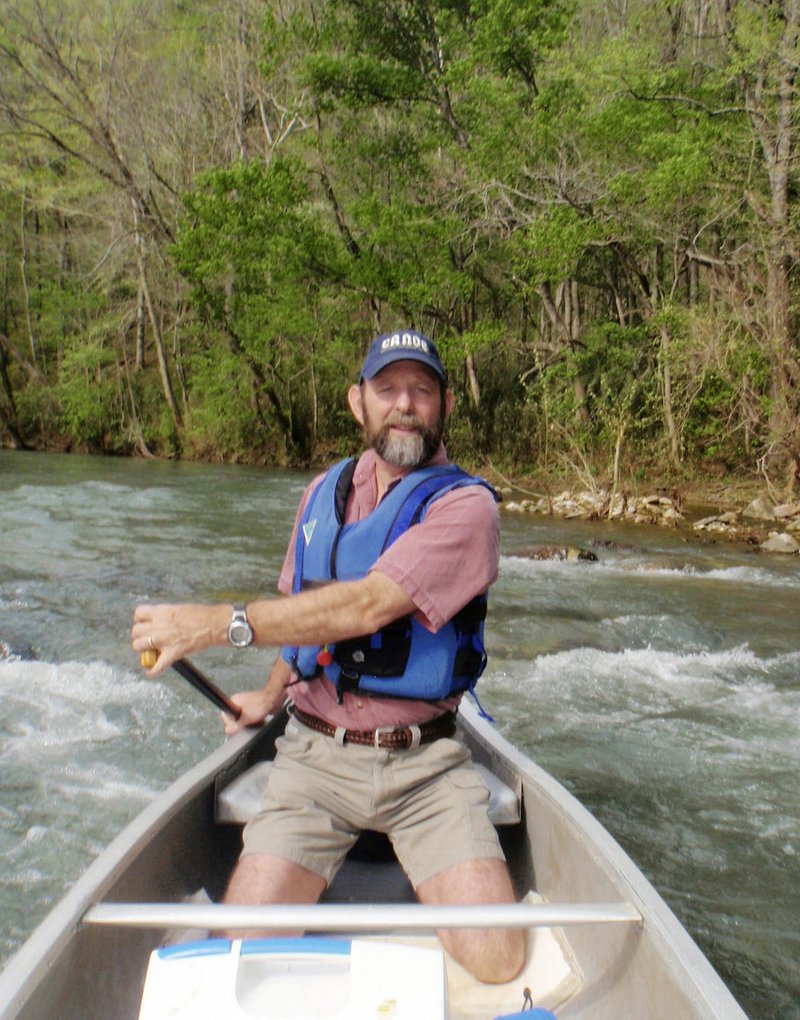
(403, 412)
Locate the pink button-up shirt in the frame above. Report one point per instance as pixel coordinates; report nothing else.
(441, 563)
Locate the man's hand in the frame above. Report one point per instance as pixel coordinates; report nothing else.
(175, 631)
(257, 705)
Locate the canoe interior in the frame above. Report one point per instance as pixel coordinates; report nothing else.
(175, 848)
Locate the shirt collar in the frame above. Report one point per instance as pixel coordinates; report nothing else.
(365, 483)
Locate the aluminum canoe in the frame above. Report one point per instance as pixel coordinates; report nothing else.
(604, 944)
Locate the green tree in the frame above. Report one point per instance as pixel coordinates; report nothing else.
(266, 272)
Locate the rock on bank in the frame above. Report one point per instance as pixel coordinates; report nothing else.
(774, 528)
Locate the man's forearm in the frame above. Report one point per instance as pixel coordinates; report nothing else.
(336, 612)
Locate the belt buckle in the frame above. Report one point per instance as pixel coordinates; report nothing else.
(377, 736)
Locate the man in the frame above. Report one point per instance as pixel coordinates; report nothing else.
(386, 572)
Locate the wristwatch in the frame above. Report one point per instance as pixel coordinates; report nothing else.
(240, 633)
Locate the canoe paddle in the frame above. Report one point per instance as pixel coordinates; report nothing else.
(197, 679)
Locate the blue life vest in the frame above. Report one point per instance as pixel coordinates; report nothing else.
(403, 660)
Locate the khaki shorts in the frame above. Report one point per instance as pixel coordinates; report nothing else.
(430, 801)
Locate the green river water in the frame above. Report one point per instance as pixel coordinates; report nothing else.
(660, 684)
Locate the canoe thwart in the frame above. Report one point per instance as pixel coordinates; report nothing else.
(329, 917)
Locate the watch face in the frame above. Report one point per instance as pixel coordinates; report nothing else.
(240, 633)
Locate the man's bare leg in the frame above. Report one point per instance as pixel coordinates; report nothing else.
(491, 955)
(263, 879)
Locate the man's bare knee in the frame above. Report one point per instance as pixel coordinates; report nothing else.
(491, 955)
(499, 956)
(262, 878)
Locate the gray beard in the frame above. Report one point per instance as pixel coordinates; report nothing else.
(405, 451)
(401, 451)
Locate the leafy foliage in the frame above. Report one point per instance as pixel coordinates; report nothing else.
(209, 209)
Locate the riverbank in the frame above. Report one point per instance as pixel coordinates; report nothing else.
(738, 513)
(743, 510)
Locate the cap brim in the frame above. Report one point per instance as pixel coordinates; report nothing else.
(370, 371)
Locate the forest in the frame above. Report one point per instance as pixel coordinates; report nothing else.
(208, 208)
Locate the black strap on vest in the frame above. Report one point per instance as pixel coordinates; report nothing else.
(343, 489)
(343, 483)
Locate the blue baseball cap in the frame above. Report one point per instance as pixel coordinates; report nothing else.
(405, 345)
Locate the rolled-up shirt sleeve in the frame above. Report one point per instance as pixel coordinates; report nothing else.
(451, 556)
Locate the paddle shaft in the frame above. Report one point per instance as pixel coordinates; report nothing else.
(148, 658)
(208, 689)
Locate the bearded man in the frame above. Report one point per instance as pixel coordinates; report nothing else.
(380, 635)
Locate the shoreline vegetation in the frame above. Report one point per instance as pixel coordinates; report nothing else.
(208, 210)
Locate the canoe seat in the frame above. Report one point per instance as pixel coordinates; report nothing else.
(241, 799)
(504, 803)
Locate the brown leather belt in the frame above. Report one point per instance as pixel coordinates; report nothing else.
(388, 738)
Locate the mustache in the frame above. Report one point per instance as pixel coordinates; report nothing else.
(404, 421)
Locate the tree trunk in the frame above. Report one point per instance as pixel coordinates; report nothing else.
(666, 383)
(563, 312)
(8, 415)
(768, 89)
(779, 150)
(474, 385)
(615, 476)
(23, 266)
(163, 369)
(140, 329)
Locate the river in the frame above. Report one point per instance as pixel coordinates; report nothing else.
(660, 684)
